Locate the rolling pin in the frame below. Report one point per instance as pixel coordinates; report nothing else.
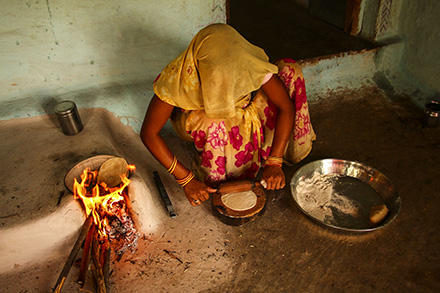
(237, 186)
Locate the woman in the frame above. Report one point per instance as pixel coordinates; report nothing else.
(222, 94)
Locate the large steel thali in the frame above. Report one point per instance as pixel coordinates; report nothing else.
(340, 194)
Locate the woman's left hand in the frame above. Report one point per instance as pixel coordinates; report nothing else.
(274, 177)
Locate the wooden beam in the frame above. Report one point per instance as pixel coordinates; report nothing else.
(352, 16)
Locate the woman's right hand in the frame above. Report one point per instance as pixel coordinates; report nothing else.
(274, 177)
(197, 192)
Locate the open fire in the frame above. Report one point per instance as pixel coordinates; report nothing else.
(108, 225)
(108, 208)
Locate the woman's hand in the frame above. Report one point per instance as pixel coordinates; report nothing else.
(197, 192)
(274, 177)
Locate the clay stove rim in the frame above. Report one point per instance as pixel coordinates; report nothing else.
(93, 163)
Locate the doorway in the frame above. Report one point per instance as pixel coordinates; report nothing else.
(298, 29)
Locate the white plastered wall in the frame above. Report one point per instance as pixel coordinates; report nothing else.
(100, 53)
(409, 63)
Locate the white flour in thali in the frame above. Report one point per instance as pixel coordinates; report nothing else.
(317, 197)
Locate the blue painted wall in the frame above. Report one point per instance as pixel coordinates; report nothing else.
(100, 53)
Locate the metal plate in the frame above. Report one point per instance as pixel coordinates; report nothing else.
(340, 194)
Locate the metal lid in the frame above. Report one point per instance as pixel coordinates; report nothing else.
(65, 107)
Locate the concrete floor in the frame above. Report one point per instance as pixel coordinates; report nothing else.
(283, 250)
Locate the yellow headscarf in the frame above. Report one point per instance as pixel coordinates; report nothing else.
(215, 73)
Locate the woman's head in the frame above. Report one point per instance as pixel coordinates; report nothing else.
(218, 68)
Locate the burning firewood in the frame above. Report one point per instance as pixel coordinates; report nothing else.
(109, 209)
(112, 227)
(86, 256)
(105, 262)
(82, 235)
(97, 271)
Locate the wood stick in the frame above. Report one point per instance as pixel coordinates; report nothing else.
(97, 268)
(10, 216)
(102, 256)
(82, 235)
(86, 256)
(173, 256)
(105, 261)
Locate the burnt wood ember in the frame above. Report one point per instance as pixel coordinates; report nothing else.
(120, 229)
(116, 221)
(109, 225)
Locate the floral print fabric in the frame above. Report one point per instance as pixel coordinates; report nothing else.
(300, 142)
(235, 148)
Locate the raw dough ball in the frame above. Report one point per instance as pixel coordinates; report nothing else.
(240, 201)
(111, 171)
(378, 214)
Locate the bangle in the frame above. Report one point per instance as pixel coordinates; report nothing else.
(186, 180)
(273, 161)
(173, 166)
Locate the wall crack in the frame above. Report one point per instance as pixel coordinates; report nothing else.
(51, 23)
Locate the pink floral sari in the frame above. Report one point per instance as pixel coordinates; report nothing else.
(235, 148)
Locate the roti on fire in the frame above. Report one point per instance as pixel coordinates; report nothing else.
(111, 171)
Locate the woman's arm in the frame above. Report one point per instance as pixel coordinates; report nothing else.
(157, 115)
(278, 95)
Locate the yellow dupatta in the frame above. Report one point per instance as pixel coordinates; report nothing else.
(215, 73)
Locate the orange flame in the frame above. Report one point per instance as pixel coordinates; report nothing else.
(131, 168)
(99, 197)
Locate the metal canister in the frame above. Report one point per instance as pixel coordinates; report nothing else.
(68, 116)
(432, 113)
